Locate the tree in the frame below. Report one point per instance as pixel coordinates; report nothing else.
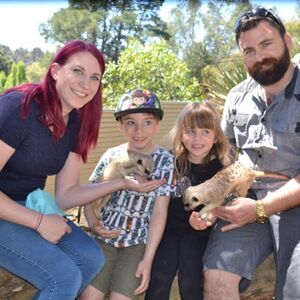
(108, 24)
(16, 76)
(36, 54)
(184, 28)
(2, 80)
(5, 59)
(219, 23)
(216, 24)
(35, 72)
(218, 80)
(154, 67)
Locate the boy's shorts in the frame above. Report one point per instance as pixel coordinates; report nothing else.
(242, 249)
(118, 273)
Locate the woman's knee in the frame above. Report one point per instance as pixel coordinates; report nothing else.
(94, 259)
(68, 278)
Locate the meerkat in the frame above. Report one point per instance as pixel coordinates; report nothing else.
(235, 179)
(131, 164)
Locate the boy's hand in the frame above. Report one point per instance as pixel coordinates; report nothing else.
(143, 272)
(143, 186)
(198, 223)
(100, 230)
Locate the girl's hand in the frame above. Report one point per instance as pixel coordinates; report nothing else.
(53, 227)
(142, 186)
(200, 224)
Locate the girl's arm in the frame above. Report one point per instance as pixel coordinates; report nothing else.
(155, 232)
(70, 193)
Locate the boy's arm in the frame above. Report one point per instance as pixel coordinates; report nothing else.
(96, 225)
(155, 232)
(90, 216)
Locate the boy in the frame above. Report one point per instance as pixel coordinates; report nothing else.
(132, 223)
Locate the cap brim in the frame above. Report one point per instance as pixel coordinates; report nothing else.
(155, 111)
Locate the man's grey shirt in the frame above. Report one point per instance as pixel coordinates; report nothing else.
(268, 137)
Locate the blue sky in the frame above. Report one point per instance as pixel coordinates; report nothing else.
(19, 20)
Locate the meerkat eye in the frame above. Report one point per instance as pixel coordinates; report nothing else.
(194, 199)
(140, 162)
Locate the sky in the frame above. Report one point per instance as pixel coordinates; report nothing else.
(20, 20)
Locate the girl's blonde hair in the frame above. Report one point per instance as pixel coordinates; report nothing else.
(198, 115)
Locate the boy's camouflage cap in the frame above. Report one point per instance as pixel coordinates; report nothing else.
(139, 101)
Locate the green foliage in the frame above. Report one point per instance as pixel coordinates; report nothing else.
(16, 76)
(35, 72)
(2, 80)
(293, 28)
(5, 59)
(67, 24)
(218, 80)
(154, 67)
(184, 27)
(219, 22)
(108, 24)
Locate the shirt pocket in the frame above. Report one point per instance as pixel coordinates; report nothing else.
(286, 136)
(240, 128)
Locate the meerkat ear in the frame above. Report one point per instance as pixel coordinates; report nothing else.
(140, 162)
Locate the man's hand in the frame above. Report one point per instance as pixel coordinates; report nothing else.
(240, 212)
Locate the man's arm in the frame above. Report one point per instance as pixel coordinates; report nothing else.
(284, 198)
(243, 211)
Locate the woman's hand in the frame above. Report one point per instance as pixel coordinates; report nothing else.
(200, 224)
(53, 227)
(141, 185)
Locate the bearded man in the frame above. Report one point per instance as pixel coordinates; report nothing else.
(262, 119)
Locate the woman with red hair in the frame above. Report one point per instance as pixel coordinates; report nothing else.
(48, 129)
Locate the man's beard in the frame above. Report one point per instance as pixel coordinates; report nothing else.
(277, 67)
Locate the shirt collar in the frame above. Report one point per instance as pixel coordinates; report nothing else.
(293, 87)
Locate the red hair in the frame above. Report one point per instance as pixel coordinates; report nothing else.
(50, 108)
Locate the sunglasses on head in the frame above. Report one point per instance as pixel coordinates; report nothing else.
(258, 12)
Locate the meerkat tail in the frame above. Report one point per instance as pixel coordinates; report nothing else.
(261, 174)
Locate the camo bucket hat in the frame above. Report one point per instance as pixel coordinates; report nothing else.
(139, 101)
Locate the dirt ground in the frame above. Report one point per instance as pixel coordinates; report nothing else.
(13, 288)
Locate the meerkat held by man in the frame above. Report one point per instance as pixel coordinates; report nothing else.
(235, 179)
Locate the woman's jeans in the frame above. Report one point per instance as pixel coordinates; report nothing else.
(59, 272)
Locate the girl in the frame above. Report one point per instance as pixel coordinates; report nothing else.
(200, 150)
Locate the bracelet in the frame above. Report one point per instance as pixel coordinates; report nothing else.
(39, 221)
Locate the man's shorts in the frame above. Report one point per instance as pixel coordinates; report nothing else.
(238, 251)
(242, 249)
(118, 273)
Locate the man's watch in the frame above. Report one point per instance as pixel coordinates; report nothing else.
(261, 215)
